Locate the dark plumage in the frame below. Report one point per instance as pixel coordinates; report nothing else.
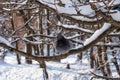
(63, 45)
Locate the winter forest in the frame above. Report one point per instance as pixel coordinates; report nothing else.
(59, 39)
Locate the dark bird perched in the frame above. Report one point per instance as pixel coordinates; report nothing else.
(63, 45)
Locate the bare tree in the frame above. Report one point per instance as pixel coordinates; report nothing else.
(35, 23)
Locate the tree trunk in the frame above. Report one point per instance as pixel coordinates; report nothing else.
(29, 51)
(91, 58)
(102, 68)
(105, 59)
(115, 62)
(48, 33)
(43, 65)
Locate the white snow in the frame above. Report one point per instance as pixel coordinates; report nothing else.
(72, 59)
(9, 70)
(20, 72)
(69, 9)
(86, 10)
(82, 18)
(97, 33)
(114, 2)
(4, 41)
(74, 27)
(83, 9)
(2, 19)
(116, 15)
(66, 9)
(32, 42)
(19, 3)
(79, 70)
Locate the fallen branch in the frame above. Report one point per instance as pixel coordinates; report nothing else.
(103, 77)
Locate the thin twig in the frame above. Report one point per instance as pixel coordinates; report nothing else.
(23, 25)
(103, 77)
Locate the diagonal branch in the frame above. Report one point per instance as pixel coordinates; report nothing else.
(23, 26)
(106, 17)
(70, 17)
(71, 27)
(58, 57)
(103, 77)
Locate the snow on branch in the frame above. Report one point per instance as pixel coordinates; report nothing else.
(114, 2)
(71, 27)
(115, 16)
(38, 35)
(35, 42)
(16, 8)
(107, 18)
(97, 33)
(88, 17)
(69, 7)
(24, 38)
(88, 14)
(13, 3)
(20, 4)
(4, 41)
(104, 32)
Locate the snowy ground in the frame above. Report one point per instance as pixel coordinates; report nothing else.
(9, 70)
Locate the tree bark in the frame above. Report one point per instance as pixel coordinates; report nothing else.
(102, 68)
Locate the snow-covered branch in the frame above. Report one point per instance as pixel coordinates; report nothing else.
(109, 26)
(105, 31)
(97, 33)
(24, 38)
(19, 4)
(35, 42)
(14, 3)
(63, 11)
(72, 27)
(107, 18)
(4, 41)
(86, 9)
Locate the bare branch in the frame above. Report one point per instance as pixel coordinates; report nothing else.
(103, 77)
(23, 25)
(58, 57)
(106, 17)
(35, 42)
